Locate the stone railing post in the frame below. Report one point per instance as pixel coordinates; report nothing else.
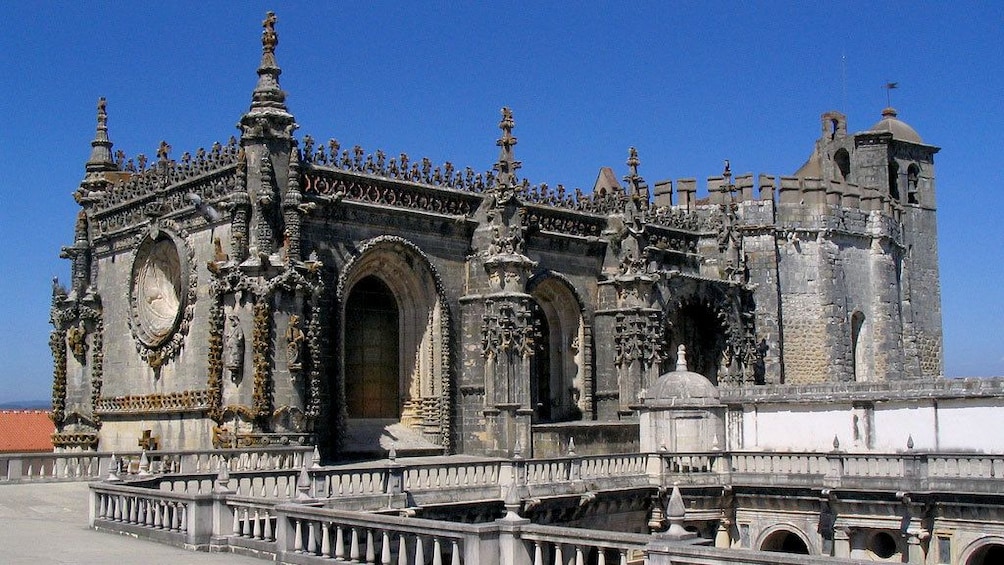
(394, 483)
(223, 514)
(841, 543)
(14, 469)
(835, 463)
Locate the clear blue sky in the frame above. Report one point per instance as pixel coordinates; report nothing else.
(688, 83)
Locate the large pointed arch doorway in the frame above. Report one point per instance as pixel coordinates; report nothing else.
(558, 377)
(372, 351)
(393, 385)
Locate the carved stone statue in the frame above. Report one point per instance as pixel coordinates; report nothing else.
(235, 349)
(76, 339)
(294, 344)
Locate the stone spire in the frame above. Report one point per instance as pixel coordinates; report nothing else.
(268, 115)
(507, 165)
(101, 146)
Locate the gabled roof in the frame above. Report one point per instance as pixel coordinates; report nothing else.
(25, 431)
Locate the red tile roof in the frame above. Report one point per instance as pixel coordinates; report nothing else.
(25, 431)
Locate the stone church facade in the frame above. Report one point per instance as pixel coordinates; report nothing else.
(277, 289)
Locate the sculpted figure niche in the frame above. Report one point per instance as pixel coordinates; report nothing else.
(294, 344)
(235, 349)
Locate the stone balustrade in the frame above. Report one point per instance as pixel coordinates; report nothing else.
(89, 465)
(286, 513)
(552, 544)
(314, 535)
(176, 519)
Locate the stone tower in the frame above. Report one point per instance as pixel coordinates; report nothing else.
(876, 271)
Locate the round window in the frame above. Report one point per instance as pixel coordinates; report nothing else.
(157, 291)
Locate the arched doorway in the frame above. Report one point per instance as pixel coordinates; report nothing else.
(557, 371)
(392, 382)
(372, 351)
(698, 327)
(785, 541)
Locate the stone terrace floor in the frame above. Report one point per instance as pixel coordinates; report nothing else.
(47, 523)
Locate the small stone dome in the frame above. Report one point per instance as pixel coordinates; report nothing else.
(899, 129)
(682, 387)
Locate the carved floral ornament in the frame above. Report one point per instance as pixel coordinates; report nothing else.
(162, 291)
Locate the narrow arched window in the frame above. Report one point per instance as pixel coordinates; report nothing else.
(912, 180)
(894, 180)
(843, 161)
(857, 347)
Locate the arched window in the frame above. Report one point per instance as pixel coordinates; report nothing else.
(785, 541)
(843, 161)
(857, 347)
(894, 179)
(912, 179)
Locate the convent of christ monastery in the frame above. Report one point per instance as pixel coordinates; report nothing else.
(281, 290)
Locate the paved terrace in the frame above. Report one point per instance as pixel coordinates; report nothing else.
(46, 523)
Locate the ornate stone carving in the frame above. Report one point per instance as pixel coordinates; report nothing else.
(159, 403)
(235, 349)
(507, 327)
(261, 338)
(162, 291)
(294, 344)
(638, 338)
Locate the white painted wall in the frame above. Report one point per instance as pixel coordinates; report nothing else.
(968, 425)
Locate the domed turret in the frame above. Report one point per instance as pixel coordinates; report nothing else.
(681, 412)
(900, 130)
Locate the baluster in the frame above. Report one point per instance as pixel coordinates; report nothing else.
(176, 516)
(297, 536)
(538, 553)
(454, 553)
(134, 510)
(183, 518)
(370, 547)
(312, 537)
(326, 540)
(558, 559)
(419, 551)
(385, 549)
(578, 555)
(117, 503)
(601, 556)
(268, 535)
(237, 522)
(354, 547)
(402, 550)
(257, 525)
(339, 543)
(623, 557)
(437, 552)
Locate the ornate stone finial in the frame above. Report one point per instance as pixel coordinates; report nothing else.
(303, 483)
(909, 442)
(681, 358)
(676, 511)
(113, 470)
(268, 116)
(101, 147)
(633, 162)
(571, 446)
(727, 172)
(836, 443)
(507, 165)
(269, 38)
(163, 152)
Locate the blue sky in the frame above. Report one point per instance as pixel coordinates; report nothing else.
(688, 83)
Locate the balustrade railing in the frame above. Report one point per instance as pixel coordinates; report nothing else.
(89, 465)
(177, 518)
(552, 544)
(310, 535)
(456, 475)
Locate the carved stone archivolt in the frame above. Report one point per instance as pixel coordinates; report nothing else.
(162, 291)
(411, 276)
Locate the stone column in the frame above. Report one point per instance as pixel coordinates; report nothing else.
(915, 550)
